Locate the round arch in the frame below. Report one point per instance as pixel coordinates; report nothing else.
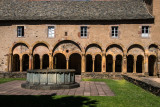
(39, 44)
(17, 44)
(67, 41)
(93, 45)
(115, 45)
(135, 46)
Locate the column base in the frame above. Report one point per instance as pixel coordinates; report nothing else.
(158, 74)
(146, 74)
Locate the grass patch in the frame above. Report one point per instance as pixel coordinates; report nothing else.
(127, 95)
(3, 80)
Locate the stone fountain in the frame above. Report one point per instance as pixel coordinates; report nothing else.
(47, 79)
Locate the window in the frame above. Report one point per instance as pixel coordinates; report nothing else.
(51, 31)
(145, 31)
(114, 31)
(20, 31)
(83, 31)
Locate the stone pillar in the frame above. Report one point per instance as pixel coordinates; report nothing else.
(158, 63)
(146, 65)
(21, 63)
(143, 62)
(134, 64)
(158, 72)
(41, 62)
(30, 61)
(93, 59)
(10, 62)
(103, 62)
(83, 63)
(67, 63)
(50, 61)
(124, 64)
(114, 64)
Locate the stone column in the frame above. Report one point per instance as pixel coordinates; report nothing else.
(103, 62)
(21, 63)
(93, 59)
(83, 63)
(114, 65)
(158, 72)
(124, 64)
(143, 70)
(146, 65)
(134, 64)
(158, 62)
(10, 62)
(30, 61)
(50, 61)
(41, 62)
(67, 63)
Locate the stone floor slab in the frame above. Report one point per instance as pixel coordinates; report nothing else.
(86, 88)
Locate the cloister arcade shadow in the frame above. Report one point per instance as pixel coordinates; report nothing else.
(75, 62)
(59, 61)
(36, 61)
(89, 63)
(152, 65)
(130, 62)
(45, 61)
(109, 63)
(25, 63)
(16, 63)
(118, 63)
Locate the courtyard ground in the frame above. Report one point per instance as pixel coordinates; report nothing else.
(126, 95)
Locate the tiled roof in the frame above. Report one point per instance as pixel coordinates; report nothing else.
(74, 10)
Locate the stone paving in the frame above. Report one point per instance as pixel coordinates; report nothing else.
(152, 79)
(86, 88)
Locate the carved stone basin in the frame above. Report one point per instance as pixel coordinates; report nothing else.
(50, 79)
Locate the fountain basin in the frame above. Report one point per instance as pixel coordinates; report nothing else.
(50, 79)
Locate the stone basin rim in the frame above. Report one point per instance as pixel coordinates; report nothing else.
(51, 70)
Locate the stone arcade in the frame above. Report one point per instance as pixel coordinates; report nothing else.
(100, 39)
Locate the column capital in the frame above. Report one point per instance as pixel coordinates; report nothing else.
(30, 54)
(103, 54)
(50, 53)
(135, 57)
(83, 54)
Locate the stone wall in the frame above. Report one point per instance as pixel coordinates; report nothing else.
(146, 84)
(13, 74)
(100, 75)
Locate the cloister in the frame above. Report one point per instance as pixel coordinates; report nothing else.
(67, 54)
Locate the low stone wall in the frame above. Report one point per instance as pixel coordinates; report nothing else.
(149, 85)
(13, 74)
(100, 75)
